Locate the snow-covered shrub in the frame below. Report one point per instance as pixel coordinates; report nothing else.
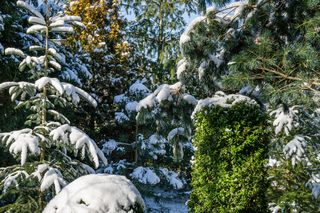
(98, 193)
(228, 173)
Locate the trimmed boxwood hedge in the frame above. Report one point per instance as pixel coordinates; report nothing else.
(229, 173)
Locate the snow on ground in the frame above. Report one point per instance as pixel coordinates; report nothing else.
(166, 202)
(97, 193)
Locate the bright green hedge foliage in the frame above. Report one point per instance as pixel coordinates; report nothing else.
(229, 172)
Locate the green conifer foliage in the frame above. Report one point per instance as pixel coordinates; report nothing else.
(229, 173)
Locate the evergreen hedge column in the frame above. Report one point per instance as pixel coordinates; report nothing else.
(229, 173)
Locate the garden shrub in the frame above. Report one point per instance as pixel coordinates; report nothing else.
(229, 173)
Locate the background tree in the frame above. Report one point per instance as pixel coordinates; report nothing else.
(102, 42)
(154, 31)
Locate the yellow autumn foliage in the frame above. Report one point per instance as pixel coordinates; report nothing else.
(102, 26)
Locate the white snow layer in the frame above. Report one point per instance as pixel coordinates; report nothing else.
(284, 120)
(98, 193)
(62, 88)
(173, 178)
(185, 37)
(174, 132)
(202, 69)
(147, 102)
(79, 140)
(1, 46)
(275, 209)
(120, 98)
(223, 100)
(189, 99)
(231, 11)
(248, 90)
(138, 88)
(109, 146)
(131, 106)
(52, 177)
(181, 68)
(21, 141)
(155, 145)
(314, 185)
(14, 51)
(13, 85)
(145, 175)
(75, 93)
(272, 162)
(30, 8)
(295, 149)
(165, 93)
(11, 179)
(40, 169)
(120, 117)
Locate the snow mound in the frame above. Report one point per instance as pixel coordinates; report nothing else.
(223, 100)
(97, 193)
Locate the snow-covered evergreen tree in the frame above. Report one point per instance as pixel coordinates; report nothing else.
(164, 135)
(48, 148)
(15, 19)
(155, 148)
